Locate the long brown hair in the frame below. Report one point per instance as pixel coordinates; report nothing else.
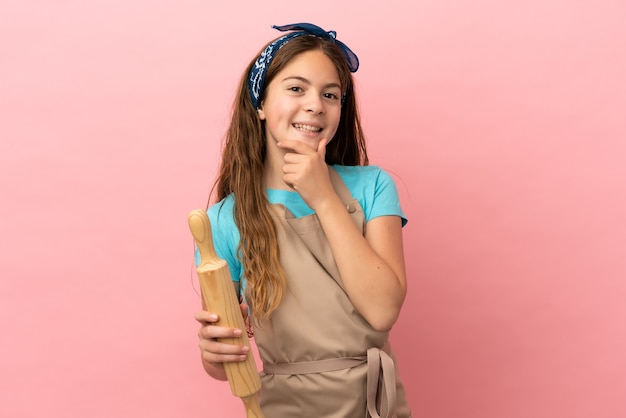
(241, 171)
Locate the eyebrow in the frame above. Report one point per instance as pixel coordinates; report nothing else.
(306, 81)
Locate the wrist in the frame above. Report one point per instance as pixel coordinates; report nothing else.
(328, 205)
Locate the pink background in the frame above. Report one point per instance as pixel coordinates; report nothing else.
(502, 122)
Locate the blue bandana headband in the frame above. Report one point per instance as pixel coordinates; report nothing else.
(257, 73)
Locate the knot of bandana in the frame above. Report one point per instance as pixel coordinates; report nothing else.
(257, 73)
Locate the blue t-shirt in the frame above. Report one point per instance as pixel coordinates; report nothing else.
(370, 185)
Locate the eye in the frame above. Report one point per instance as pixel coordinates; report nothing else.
(332, 96)
(296, 89)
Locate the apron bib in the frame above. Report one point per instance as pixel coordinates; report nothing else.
(321, 358)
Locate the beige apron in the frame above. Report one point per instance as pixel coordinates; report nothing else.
(321, 358)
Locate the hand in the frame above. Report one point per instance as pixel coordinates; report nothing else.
(213, 351)
(306, 172)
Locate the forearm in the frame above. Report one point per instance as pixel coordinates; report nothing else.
(372, 272)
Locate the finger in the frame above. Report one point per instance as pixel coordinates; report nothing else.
(211, 357)
(212, 332)
(217, 352)
(205, 317)
(321, 147)
(292, 158)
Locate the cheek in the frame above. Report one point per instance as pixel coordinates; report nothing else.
(280, 112)
(277, 121)
(336, 120)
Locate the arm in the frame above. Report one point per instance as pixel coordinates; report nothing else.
(371, 266)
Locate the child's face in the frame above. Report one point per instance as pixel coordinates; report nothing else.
(303, 101)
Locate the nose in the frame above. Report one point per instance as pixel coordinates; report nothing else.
(314, 104)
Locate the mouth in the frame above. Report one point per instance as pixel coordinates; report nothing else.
(307, 128)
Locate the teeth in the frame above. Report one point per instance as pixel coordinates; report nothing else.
(306, 128)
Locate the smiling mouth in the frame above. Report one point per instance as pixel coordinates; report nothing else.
(307, 128)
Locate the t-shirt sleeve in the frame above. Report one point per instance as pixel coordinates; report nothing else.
(386, 201)
(225, 239)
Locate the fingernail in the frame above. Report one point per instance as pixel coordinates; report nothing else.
(242, 358)
(237, 332)
(245, 348)
(213, 317)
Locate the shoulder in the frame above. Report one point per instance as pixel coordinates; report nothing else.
(222, 211)
(374, 188)
(225, 234)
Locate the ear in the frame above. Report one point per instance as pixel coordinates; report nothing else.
(260, 112)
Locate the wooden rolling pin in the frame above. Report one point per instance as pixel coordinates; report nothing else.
(219, 297)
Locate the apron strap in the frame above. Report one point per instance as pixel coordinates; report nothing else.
(381, 377)
(316, 366)
(381, 384)
(340, 187)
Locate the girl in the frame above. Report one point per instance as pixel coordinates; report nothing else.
(312, 236)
